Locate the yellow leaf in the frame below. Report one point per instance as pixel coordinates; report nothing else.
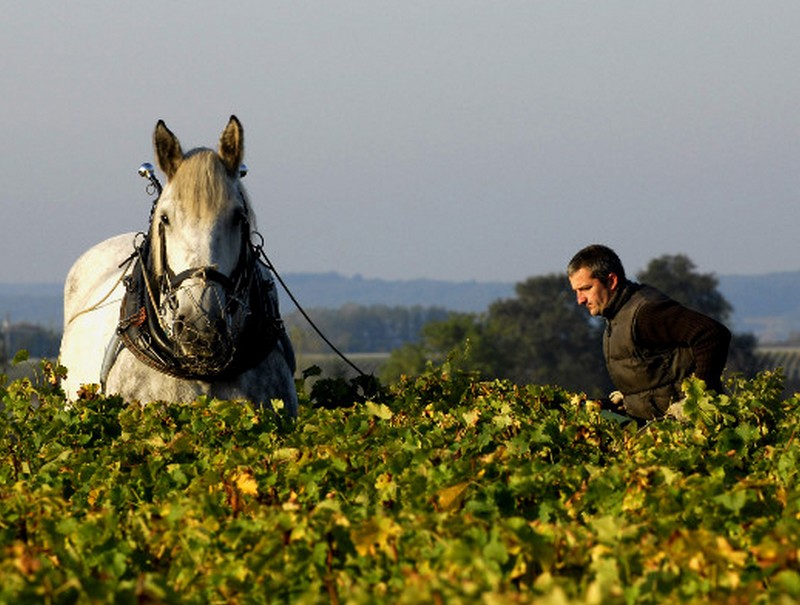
(386, 487)
(380, 410)
(92, 497)
(246, 483)
(471, 417)
(292, 503)
(734, 557)
(286, 454)
(450, 498)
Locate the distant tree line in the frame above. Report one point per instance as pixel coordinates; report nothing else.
(356, 328)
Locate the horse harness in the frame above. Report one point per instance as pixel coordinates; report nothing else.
(251, 311)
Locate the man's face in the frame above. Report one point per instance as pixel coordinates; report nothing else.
(591, 292)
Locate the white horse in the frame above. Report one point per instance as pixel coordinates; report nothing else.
(188, 308)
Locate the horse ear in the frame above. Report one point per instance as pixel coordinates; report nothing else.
(231, 146)
(169, 154)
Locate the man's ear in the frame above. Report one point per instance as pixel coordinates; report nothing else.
(613, 281)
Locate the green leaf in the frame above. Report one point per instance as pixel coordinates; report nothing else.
(734, 501)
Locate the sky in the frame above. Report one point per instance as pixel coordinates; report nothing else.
(442, 139)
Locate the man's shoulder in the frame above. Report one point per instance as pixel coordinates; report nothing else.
(651, 304)
(652, 294)
(642, 295)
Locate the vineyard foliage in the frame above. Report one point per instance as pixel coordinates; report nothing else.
(444, 489)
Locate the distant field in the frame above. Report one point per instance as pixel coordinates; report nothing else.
(787, 358)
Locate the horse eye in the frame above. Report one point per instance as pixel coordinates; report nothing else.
(164, 219)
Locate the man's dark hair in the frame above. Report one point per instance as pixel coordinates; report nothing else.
(600, 260)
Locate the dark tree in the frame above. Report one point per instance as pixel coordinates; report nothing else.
(676, 277)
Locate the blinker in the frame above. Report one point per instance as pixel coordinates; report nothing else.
(146, 170)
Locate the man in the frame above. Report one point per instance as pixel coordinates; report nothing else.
(651, 343)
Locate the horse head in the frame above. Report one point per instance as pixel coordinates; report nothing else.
(200, 245)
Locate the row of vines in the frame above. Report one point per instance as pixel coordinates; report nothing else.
(442, 489)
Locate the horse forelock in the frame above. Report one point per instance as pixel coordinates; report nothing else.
(202, 185)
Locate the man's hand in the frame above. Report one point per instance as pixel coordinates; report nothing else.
(616, 397)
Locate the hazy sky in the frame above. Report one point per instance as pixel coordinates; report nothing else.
(442, 139)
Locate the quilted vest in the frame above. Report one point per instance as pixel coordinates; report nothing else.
(649, 378)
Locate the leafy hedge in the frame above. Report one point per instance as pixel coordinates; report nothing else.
(449, 490)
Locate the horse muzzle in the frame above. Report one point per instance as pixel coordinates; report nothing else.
(202, 319)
